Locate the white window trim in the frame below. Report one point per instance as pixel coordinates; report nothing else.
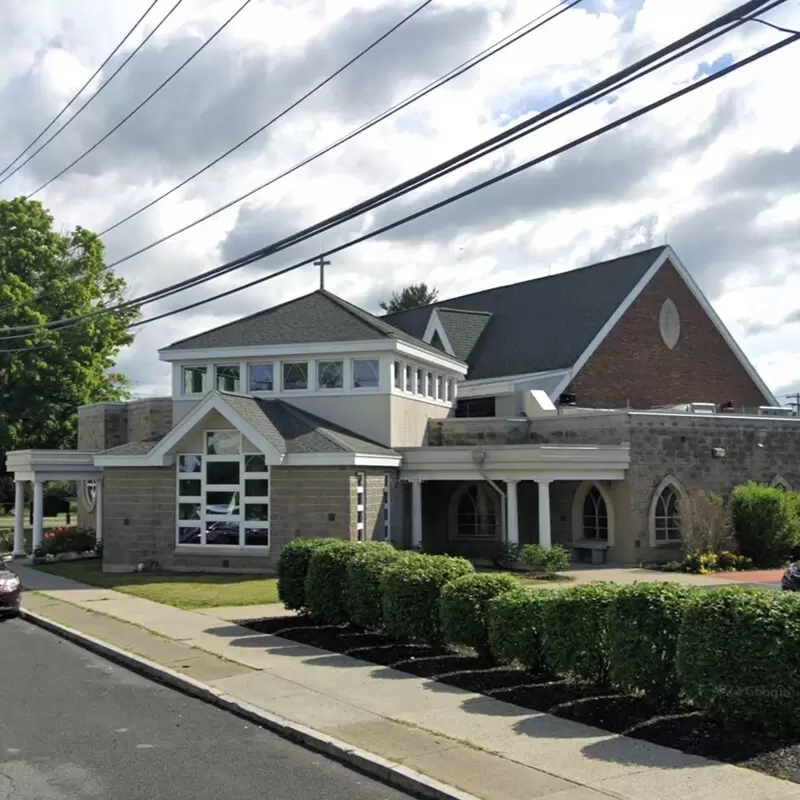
(329, 389)
(361, 389)
(206, 368)
(452, 516)
(361, 506)
(577, 512)
(244, 500)
(260, 392)
(676, 485)
(218, 367)
(310, 382)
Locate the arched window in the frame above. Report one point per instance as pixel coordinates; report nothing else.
(475, 512)
(595, 516)
(667, 516)
(89, 494)
(779, 482)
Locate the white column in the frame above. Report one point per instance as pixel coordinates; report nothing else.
(416, 513)
(19, 518)
(545, 534)
(98, 509)
(38, 516)
(512, 513)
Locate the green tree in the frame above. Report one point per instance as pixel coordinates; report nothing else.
(44, 276)
(412, 296)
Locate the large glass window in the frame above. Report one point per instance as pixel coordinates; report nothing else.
(409, 378)
(194, 380)
(366, 373)
(330, 374)
(475, 512)
(223, 496)
(228, 378)
(399, 375)
(595, 516)
(667, 522)
(295, 375)
(260, 377)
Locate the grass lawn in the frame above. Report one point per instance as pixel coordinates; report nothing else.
(182, 590)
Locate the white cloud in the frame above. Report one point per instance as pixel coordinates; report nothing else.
(715, 173)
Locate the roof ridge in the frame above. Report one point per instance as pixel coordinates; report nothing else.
(654, 250)
(365, 316)
(461, 311)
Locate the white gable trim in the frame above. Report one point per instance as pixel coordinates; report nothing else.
(668, 255)
(214, 401)
(435, 326)
(341, 460)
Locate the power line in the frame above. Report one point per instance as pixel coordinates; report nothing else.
(456, 72)
(259, 254)
(147, 99)
(94, 96)
(271, 122)
(82, 89)
(692, 41)
(497, 47)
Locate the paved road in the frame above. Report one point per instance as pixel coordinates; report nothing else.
(74, 726)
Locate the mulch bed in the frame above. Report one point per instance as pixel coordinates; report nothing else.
(639, 718)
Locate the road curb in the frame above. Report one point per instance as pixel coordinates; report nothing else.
(389, 772)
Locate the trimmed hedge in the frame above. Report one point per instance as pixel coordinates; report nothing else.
(644, 621)
(326, 581)
(363, 591)
(576, 631)
(462, 608)
(293, 568)
(739, 658)
(766, 523)
(514, 621)
(411, 588)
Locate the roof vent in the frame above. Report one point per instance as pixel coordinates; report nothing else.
(567, 399)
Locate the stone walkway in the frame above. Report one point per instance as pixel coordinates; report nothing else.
(483, 747)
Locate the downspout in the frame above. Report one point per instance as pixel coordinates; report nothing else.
(479, 456)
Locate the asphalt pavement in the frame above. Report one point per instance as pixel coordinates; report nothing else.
(75, 726)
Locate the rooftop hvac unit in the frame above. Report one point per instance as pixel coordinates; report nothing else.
(775, 411)
(703, 408)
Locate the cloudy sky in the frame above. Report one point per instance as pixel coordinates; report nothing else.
(715, 174)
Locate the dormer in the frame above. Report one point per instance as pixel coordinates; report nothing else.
(327, 357)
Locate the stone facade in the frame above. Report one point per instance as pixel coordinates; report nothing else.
(713, 452)
(307, 502)
(634, 367)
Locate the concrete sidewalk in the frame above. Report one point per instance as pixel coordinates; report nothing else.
(483, 747)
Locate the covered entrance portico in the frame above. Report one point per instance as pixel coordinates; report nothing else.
(37, 467)
(472, 500)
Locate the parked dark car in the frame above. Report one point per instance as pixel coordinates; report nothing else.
(10, 590)
(790, 581)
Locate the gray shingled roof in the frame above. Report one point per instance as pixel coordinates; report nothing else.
(463, 329)
(292, 430)
(538, 325)
(314, 318)
(133, 448)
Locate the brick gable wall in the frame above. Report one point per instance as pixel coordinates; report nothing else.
(634, 366)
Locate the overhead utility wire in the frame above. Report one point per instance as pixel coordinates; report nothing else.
(491, 181)
(475, 60)
(608, 85)
(497, 47)
(527, 165)
(94, 95)
(147, 99)
(271, 122)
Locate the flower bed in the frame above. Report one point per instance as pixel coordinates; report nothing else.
(670, 665)
(67, 543)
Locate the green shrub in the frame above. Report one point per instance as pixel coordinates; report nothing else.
(733, 561)
(576, 631)
(700, 563)
(326, 581)
(69, 539)
(766, 523)
(293, 568)
(364, 583)
(514, 621)
(547, 560)
(462, 607)
(411, 588)
(644, 621)
(738, 657)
